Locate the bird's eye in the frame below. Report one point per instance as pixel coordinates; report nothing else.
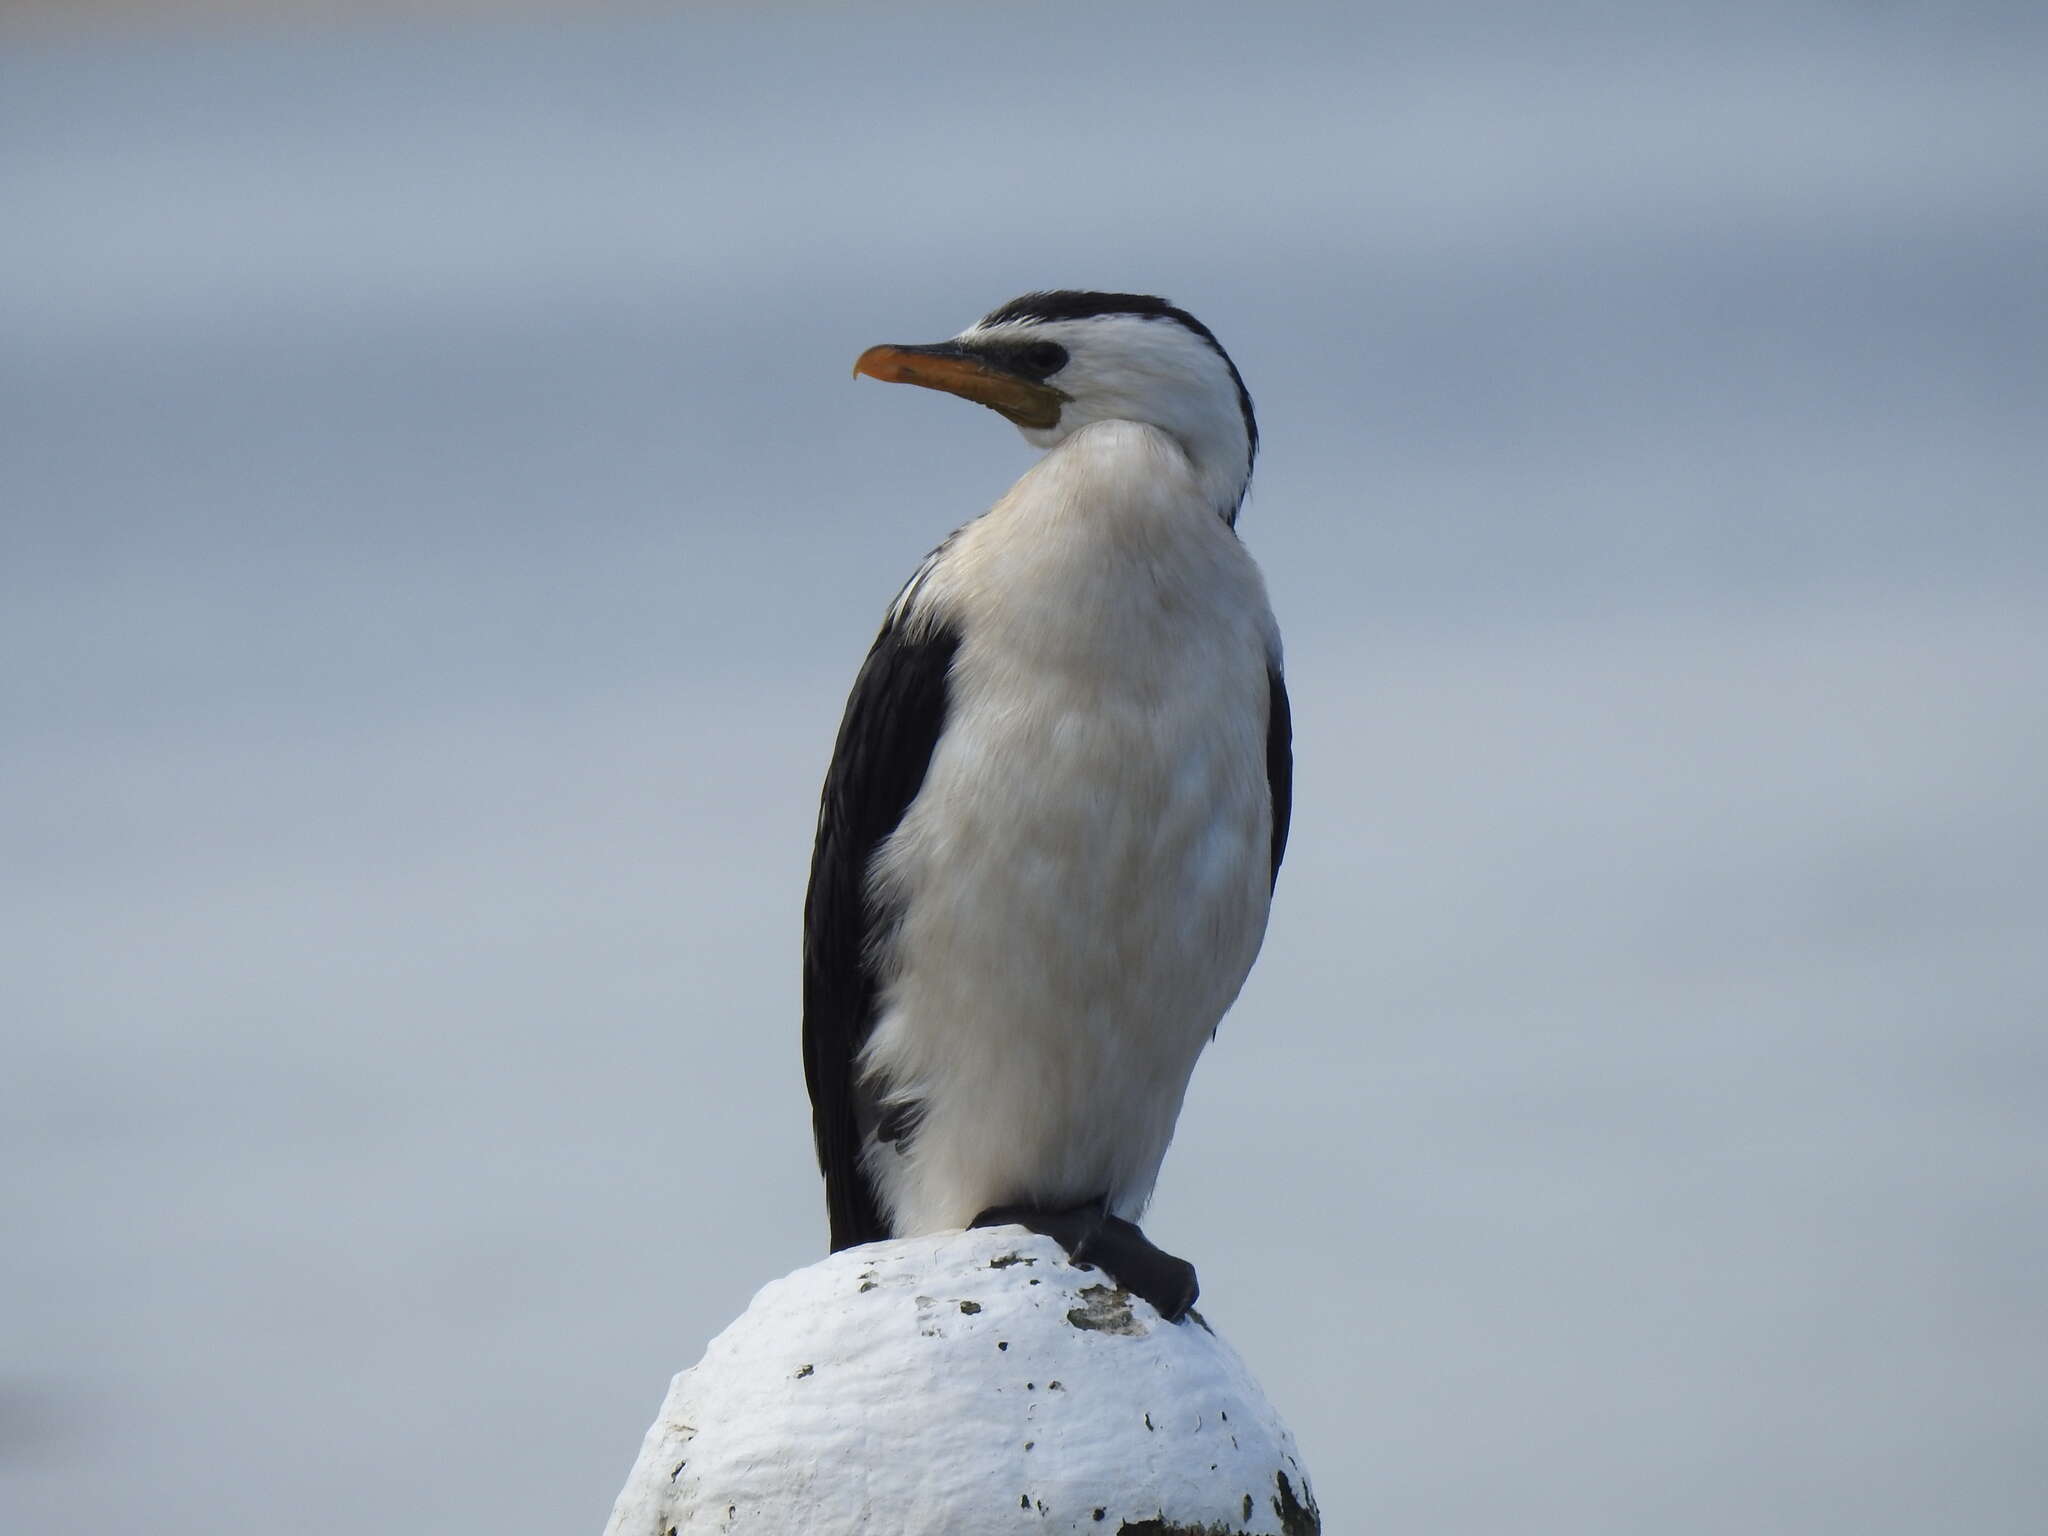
(1043, 358)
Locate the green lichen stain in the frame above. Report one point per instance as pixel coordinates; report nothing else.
(1105, 1309)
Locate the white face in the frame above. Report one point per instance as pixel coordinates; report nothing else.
(1148, 369)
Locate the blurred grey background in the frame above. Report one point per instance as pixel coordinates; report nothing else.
(439, 532)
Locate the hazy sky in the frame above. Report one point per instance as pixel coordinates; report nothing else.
(437, 532)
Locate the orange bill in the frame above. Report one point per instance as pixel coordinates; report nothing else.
(957, 371)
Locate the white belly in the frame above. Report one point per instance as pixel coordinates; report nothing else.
(1082, 880)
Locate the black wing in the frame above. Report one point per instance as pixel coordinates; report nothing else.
(893, 720)
(1279, 762)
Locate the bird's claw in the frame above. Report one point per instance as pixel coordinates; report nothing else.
(1117, 1247)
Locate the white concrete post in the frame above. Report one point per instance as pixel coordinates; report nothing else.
(964, 1384)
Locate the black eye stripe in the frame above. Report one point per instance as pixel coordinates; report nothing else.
(1033, 359)
(1046, 357)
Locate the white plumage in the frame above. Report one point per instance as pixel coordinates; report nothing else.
(1084, 875)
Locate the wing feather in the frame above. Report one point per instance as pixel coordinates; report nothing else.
(1279, 762)
(892, 722)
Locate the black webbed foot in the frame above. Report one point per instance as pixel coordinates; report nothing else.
(1115, 1246)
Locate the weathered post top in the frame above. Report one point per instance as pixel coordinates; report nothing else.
(960, 1384)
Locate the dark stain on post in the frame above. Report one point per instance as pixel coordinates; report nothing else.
(1297, 1518)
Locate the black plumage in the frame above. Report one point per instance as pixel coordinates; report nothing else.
(1279, 762)
(892, 722)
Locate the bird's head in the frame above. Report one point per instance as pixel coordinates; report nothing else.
(1052, 363)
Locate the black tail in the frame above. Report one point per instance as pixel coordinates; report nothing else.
(850, 1201)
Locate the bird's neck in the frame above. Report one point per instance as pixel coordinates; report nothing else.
(1224, 482)
(1213, 463)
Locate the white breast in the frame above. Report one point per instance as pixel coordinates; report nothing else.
(1083, 877)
